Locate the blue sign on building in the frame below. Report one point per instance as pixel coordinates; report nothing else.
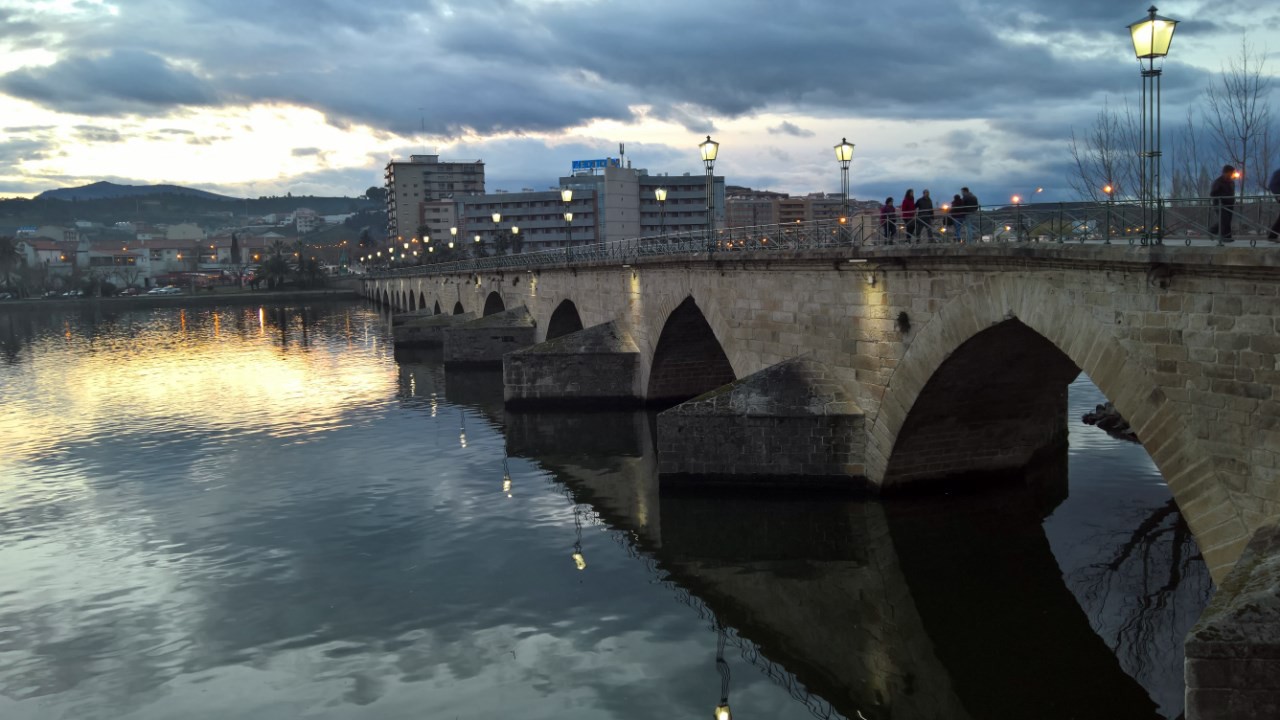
(579, 165)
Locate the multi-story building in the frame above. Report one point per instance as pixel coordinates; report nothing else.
(745, 207)
(614, 203)
(425, 179)
(539, 215)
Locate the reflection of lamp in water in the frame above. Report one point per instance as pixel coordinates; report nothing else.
(506, 476)
(579, 560)
(462, 429)
(722, 667)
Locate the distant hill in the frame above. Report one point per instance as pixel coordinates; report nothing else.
(108, 190)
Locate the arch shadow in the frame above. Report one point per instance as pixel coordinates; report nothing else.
(564, 320)
(457, 308)
(688, 359)
(493, 304)
(437, 308)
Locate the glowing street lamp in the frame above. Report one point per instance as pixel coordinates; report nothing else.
(1152, 36)
(844, 154)
(566, 197)
(660, 194)
(710, 149)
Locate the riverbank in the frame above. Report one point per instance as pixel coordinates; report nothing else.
(219, 296)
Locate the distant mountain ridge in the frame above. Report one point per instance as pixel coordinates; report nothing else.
(106, 190)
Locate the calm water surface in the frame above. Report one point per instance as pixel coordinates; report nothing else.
(263, 513)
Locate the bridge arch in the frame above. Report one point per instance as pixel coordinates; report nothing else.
(422, 301)
(413, 302)
(386, 299)
(564, 320)
(688, 359)
(437, 308)
(1004, 312)
(457, 308)
(493, 304)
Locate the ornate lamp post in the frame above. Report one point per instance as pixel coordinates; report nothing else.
(566, 197)
(1152, 36)
(844, 153)
(660, 194)
(497, 246)
(710, 148)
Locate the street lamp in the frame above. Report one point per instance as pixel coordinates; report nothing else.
(1152, 36)
(516, 245)
(497, 219)
(566, 197)
(844, 153)
(660, 194)
(710, 148)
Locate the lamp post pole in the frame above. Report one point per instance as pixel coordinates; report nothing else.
(1151, 36)
(710, 148)
(566, 197)
(844, 153)
(660, 194)
(498, 248)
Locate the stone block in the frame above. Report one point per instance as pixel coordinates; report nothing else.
(597, 366)
(426, 330)
(485, 340)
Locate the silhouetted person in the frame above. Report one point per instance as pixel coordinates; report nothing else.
(924, 214)
(888, 220)
(1223, 192)
(908, 209)
(1273, 186)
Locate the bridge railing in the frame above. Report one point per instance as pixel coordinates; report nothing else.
(1118, 221)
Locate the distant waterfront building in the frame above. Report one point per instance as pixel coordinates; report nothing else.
(306, 220)
(426, 179)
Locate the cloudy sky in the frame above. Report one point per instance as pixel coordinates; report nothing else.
(263, 97)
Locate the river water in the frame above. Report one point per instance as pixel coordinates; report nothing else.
(262, 512)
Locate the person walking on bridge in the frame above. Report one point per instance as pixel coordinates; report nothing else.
(924, 215)
(1223, 192)
(908, 209)
(967, 205)
(888, 221)
(1273, 186)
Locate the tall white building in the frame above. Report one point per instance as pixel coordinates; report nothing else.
(415, 186)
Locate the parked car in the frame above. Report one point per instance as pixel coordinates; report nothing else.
(129, 291)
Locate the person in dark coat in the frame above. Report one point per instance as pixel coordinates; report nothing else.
(924, 215)
(1223, 192)
(1273, 186)
(966, 205)
(908, 209)
(888, 220)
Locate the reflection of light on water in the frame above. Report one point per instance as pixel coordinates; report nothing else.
(198, 380)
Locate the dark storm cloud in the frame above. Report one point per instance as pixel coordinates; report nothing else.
(509, 66)
(119, 82)
(786, 128)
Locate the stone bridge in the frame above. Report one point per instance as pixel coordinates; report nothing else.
(941, 360)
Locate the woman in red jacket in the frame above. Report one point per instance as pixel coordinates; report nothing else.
(908, 210)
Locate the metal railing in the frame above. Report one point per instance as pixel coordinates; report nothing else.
(1121, 221)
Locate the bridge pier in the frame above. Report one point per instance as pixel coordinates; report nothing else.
(426, 330)
(795, 421)
(1233, 652)
(485, 340)
(598, 366)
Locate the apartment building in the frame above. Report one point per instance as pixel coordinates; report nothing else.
(425, 179)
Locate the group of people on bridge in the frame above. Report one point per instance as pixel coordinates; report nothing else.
(917, 217)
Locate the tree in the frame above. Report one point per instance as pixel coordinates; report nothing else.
(1107, 154)
(376, 194)
(10, 259)
(1238, 115)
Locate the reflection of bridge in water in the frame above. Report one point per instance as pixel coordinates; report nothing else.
(917, 608)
